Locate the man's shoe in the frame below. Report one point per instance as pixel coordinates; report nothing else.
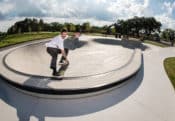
(56, 74)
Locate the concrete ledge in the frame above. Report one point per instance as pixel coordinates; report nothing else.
(73, 85)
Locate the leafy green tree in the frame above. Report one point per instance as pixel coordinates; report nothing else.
(19, 30)
(135, 25)
(168, 35)
(86, 27)
(40, 26)
(35, 25)
(55, 26)
(70, 27)
(2, 35)
(78, 27)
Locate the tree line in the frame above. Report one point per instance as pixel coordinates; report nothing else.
(35, 25)
(137, 26)
(146, 27)
(134, 26)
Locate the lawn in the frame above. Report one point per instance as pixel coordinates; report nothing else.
(155, 43)
(99, 34)
(169, 65)
(19, 38)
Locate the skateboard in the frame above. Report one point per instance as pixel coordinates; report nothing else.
(62, 70)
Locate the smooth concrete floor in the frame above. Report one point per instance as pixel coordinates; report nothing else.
(149, 96)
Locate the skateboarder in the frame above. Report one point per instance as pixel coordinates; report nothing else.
(69, 44)
(56, 46)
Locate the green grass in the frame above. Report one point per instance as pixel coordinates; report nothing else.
(169, 65)
(155, 43)
(98, 34)
(25, 37)
(20, 38)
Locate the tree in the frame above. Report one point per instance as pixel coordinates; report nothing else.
(55, 26)
(136, 25)
(40, 26)
(19, 30)
(27, 25)
(86, 27)
(70, 27)
(168, 35)
(2, 35)
(47, 27)
(29, 28)
(78, 28)
(172, 37)
(35, 25)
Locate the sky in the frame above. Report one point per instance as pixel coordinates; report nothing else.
(97, 12)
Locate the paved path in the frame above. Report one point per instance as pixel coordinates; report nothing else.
(147, 97)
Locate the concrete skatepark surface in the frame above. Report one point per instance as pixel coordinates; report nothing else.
(148, 96)
(94, 58)
(97, 63)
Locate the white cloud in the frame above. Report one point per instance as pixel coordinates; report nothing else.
(128, 8)
(146, 3)
(99, 12)
(166, 18)
(5, 24)
(169, 7)
(6, 7)
(166, 21)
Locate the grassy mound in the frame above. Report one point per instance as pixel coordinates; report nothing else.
(169, 65)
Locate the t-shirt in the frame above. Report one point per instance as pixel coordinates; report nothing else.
(56, 42)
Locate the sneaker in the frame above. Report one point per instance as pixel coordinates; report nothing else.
(56, 74)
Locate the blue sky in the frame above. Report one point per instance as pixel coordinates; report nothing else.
(97, 12)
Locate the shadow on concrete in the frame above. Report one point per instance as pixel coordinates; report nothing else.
(74, 44)
(40, 81)
(131, 44)
(29, 106)
(81, 44)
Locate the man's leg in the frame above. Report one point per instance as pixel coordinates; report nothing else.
(62, 58)
(54, 53)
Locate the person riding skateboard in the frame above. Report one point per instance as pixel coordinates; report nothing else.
(55, 47)
(58, 46)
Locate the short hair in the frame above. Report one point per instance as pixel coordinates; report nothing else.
(63, 30)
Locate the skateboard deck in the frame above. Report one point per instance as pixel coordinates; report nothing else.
(62, 69)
